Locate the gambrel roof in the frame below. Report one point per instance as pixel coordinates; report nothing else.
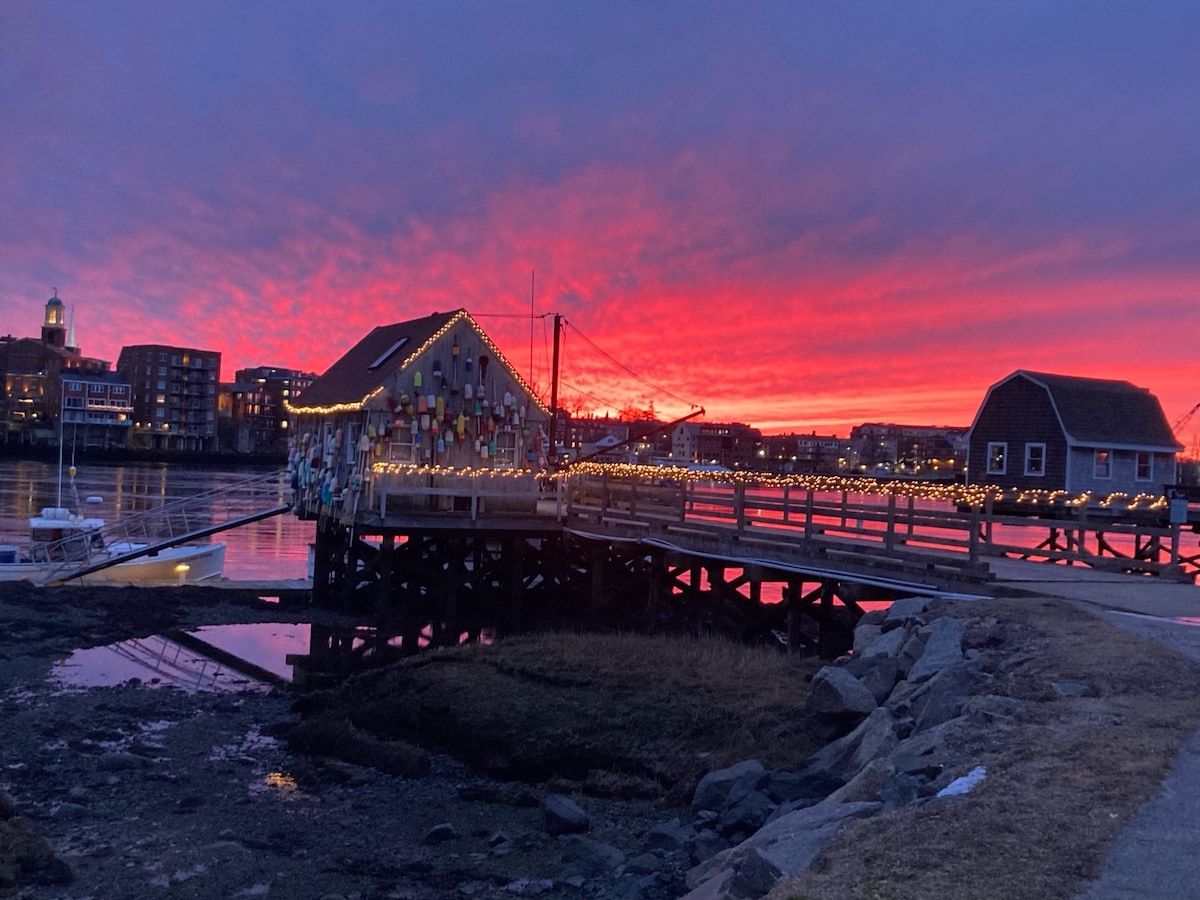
(1098, 412)
(371, 366)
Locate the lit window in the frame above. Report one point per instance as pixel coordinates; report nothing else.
(1102, 466)
(1035, 459)
(1145, 465)
(997, 458)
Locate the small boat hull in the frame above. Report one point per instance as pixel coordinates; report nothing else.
(185, 564)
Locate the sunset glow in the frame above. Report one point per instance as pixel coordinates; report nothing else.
(798, 216)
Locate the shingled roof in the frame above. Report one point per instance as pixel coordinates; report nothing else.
(368, 364)
(1103, 413)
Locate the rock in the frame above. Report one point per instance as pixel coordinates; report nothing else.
(866, 785)
(788, 787)
(562, 815)
(879, 675)
(910, 651)
(8, 806)
(785, 847)
(584, 856)
(669, 836)
(902, 790)
(925, 753)
(713, 790)
(835, 692)
(1068, 688)
(864, 634)
(746, 815)
(68, 811)
(705, 845)
(943, 648)
(497, 839)
(645, 864)
(119, 761)
(942, 697)
(904, 611)
(837, 763)
(439, 834)
(887, 644)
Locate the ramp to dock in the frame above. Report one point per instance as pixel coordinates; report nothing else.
(179, 522)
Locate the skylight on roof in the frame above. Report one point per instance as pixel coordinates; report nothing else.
(383, 357)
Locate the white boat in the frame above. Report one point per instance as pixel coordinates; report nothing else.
(58, 539)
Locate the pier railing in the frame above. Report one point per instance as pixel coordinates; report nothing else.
(878, 527)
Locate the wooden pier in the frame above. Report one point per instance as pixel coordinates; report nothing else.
(443, 556)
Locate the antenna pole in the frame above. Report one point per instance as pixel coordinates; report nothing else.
(532, 273)
(553, 454)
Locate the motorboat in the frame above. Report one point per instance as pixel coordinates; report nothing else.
(61, 542)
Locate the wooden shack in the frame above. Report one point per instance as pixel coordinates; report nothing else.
(434, 392)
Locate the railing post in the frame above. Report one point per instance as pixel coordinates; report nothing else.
(786, 495)
(889, 537)
(808, 516)
(739, 506)
(973, 543)
(912, 502)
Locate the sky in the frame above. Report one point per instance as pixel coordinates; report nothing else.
(801, 216)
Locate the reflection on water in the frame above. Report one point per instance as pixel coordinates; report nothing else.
(154, 661)
(275, 548)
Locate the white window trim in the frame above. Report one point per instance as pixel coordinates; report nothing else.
(1003, 445)
(1136, 467)
(1029, 446)
(1096, 473)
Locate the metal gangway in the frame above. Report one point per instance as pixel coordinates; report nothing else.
(178, 522)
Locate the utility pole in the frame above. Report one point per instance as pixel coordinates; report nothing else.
(552, 456)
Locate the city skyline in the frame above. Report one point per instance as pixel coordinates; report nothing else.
(794, 215)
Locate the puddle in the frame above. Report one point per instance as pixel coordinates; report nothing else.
(154, 662)
(265, 645)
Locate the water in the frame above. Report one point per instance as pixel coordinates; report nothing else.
(275, 548)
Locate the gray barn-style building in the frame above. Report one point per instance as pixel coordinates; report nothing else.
(1037, 431)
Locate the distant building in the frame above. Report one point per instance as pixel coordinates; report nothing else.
(252, 417)
(916, 449)
(174, 396)
(802, 453)
(1060, 432)
(728, 444)
(97, 409)
(30, 370)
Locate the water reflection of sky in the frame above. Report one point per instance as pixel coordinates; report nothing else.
(274, 548)
(266, 645)
(155, 661)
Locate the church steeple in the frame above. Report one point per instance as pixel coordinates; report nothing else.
(54, 327)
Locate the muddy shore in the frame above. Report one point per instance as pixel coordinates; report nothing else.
(160, 792)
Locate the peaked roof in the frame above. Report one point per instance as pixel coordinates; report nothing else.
(365, 368)
(352, 379)
(1097, 411)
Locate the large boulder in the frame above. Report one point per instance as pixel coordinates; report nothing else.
(714, 789)
(835, 764)
(837, 701)
(562, 815)
(943, 648)
(905, 611)
(887, 644)
(943, 696)
(591, 859)
(784, 847)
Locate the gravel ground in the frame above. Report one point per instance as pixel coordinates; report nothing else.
(157, 792)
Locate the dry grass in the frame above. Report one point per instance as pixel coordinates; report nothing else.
(657, 710)
(1060, 786)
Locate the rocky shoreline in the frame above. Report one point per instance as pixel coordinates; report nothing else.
(140, 792)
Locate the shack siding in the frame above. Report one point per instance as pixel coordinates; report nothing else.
(1124, 473)
(1018, 412)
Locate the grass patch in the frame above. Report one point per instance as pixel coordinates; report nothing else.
(658, 710)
